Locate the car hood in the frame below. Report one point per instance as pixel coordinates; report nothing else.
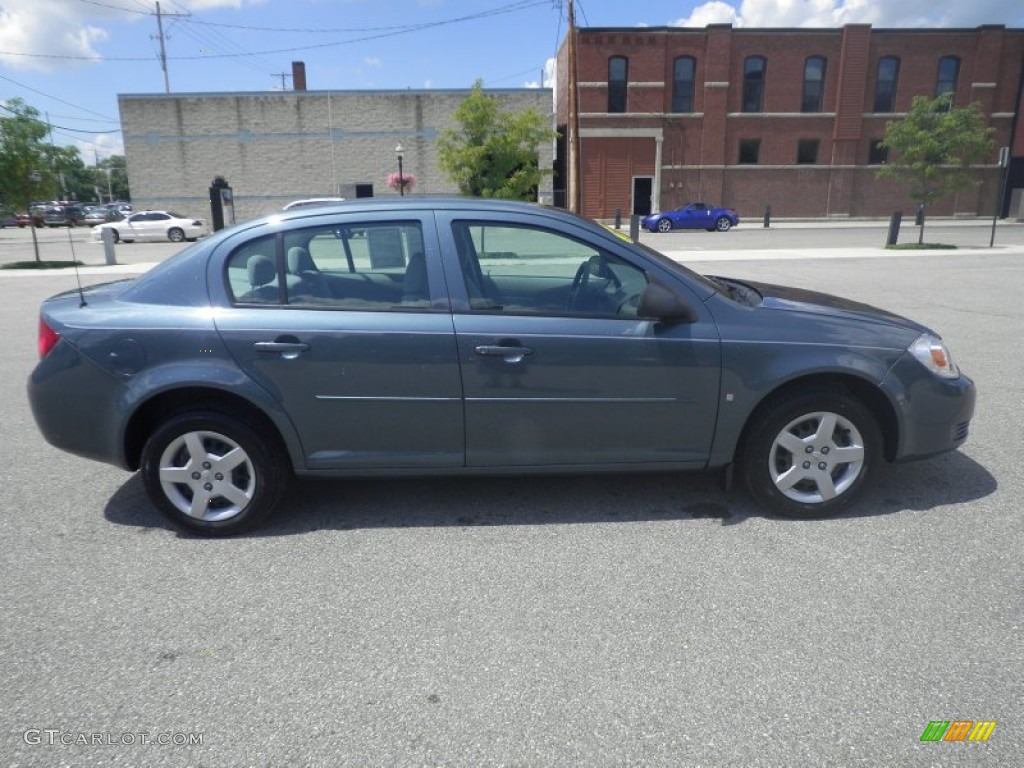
(800, 300)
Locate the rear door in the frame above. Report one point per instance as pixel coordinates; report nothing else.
(346, 321)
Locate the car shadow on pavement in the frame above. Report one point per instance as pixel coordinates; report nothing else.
(344, 504)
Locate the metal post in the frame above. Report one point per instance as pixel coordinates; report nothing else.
(618, 218)
(1004, 162)
(107, 235)
(767, 216)
(894, 228)
(634, 228)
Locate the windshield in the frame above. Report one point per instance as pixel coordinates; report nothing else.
(675, 265)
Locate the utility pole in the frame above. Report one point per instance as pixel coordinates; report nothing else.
(574, 118)
(282, 75)
(60, 173)
(161, 36)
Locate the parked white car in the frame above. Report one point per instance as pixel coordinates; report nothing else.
(154, 225)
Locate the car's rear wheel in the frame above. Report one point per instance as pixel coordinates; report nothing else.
(212, 473)
(117, 236)
(723, 224)
(809, 456)
(664, 225)
(175, 234)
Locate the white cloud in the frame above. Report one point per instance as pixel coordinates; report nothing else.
(58, 32)
(104, 144)
(372, 62)
(835, 13)
(208, 5)
(710, 13)
(46, 28)
(550, 79)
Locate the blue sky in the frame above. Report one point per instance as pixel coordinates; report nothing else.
(70, 58)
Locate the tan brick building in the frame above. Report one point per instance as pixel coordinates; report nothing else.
(280, 146)
(783, 117)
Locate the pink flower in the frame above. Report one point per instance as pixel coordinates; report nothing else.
(405, 181)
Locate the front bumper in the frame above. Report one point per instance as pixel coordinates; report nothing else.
(933, 414)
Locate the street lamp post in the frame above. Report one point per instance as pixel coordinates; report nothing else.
(401, 178)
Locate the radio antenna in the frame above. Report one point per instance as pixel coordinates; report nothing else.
(78, 278)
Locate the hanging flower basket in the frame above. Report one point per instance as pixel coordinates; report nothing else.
(404, 182)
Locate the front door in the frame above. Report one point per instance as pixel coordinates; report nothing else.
(557, 369)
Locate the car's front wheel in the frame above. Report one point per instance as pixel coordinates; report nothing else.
(212, 473)
(809, 456)
(664, 225)
(723, 224)
(175, 234)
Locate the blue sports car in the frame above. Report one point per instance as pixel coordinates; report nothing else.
(692, 216)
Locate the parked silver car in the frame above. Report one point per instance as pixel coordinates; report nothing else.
(458, 336)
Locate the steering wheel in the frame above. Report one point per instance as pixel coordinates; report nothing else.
(579, 285)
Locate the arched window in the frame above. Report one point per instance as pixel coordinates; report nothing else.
(753, 84)
(683, 70)
(945, 81)
(885, 85)
(618, 81)
(814, 84)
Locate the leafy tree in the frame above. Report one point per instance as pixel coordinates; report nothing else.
(27, 161)
(935, 146)
(493, 153)
(116, 168)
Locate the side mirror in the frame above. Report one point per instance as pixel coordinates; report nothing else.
(659, 302)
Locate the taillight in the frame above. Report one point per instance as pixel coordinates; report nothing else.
(48, 338)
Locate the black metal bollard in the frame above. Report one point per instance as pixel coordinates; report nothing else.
(618, 218)
(634, 228)
(767, 216)
(894, 228)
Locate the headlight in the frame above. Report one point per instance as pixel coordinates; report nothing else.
(934, 355)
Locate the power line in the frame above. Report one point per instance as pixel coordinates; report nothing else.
(115, 7)
(48, 124)
(394, 33)
(397, 28)
(214, 38)
(55, 98)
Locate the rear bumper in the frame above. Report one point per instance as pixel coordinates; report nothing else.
(86, 423)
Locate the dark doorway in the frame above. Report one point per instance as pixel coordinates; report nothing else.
(364, 190)
(643, 186)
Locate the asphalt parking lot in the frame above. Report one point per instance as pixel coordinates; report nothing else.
(608, 620)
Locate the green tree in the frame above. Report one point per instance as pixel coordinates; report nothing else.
(493, 152)
(934, 147)
(116, 168)
(28, 170)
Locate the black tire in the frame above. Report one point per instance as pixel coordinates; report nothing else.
(823, 481)
(244, 494)
(722, 224)
(116, 235)
(664, 225)
(176, 234)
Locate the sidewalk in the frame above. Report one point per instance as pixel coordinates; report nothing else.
(691, 256)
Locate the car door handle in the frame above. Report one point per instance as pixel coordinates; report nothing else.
(511, 353)
(289, 350)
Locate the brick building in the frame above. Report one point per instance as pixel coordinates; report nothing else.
(276, 147)
(782, 117)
